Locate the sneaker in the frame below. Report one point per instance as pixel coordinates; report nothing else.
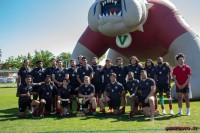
(180, 113)
(53, 111)
(41, 115)
(30, 111)
(171, 112)
(163, 112)
(152, 119)
(188, 114)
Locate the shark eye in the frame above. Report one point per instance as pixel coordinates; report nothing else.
(111, 7)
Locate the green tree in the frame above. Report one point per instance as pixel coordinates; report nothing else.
(43, 55)
(65, 57)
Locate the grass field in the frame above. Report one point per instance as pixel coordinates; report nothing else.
(9, 122)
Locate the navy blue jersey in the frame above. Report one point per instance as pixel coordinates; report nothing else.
(136, 70)
(45, 91)
(38, 75)
(114, 90)
(151, 71)
(121, 73)
(97, 78)
(84, 71)
(106, 73)
(60, 74)
(162, 73)
(82, 89)
(132, 85)
(72, 76)
(24, 89)
(23, 72)
(145, 86)
(50, 70)
(65, 93)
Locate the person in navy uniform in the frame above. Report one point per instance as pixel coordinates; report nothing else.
(163, 81)
(50, 71)
(97, 79)
(135, 67)
(121, 72)
(71, 77)
(79, 61)
(132, 88)
(112, 95)
(106, 71)
(23, 72)
(64, 94)
(24, 92)
(147, 89)
(150, 68)
(59, 74)
(84, 70)
(87, 92)
(45, 91)
(39, 73)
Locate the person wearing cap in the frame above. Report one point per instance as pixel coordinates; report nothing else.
(45, 91)
(84, 70)
(64, 94)
(38, 73)
(112, 95)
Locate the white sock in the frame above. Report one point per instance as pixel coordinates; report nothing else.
(180, 109)
(188, 110)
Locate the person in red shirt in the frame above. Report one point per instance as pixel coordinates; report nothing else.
(182, 75)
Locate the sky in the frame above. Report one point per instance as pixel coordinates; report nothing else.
(56, 25)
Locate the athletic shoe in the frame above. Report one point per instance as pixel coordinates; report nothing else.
(163, 112)
(152, 119)
(188, 114)
(171, 112)
(180, 113)
(30, 111)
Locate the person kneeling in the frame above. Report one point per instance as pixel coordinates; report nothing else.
(64, 98)
(112, 95)
(147, 88)
(87, 92)
(45, 93)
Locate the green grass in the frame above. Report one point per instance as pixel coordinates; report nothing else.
(9, 122)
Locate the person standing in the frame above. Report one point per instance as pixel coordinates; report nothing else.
(23, 72)
(97, 79)
(182, 75)
(163, 81)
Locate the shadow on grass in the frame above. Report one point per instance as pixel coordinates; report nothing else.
(9, 114)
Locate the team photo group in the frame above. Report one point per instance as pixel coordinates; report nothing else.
(91, 87)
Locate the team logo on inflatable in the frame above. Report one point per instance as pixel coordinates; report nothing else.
(124, 41)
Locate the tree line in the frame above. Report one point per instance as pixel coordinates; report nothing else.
(44, 55)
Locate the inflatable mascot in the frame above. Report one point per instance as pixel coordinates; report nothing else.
(144, 28)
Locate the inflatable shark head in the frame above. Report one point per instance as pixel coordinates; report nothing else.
(118, 17)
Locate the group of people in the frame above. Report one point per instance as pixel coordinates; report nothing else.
(53, 89)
